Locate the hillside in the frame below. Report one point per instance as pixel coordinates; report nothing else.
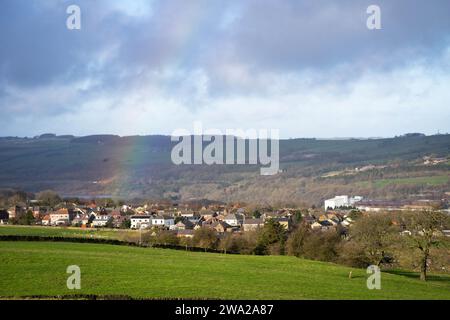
(140, 167)
(39, 269)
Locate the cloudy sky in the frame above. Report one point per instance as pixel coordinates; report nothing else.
(309, 68)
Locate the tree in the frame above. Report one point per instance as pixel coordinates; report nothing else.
(126, 224)
(256, 214)
(48, 198)
(273, 233)
(109, 224)
(26, 219)
(423, 231)
(355, 214)
(297, 216)
(205, 238)
(294, 244)
(166, 237)
(227, 243)
(17, 198)
(322, 245)
(246, 242)
(107, 202)
(374, 234)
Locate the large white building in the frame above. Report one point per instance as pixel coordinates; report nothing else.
(341, 201)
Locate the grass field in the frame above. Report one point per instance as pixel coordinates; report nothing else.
(39, 268)
(430, 181)
(8, 230)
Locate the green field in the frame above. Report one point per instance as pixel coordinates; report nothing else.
(39, 269)
(430, 181)
(9, 230)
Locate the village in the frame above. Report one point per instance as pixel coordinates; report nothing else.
(183, 219)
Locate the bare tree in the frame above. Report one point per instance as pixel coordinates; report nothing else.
(373, 234)
(423, 230)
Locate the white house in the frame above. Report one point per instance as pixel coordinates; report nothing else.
(141, 222)
(162, 221)
(169, 221)
(101, 220)
(158, 221)
(233, 220)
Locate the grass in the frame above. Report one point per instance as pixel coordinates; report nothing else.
(39, 268)
(8, 230)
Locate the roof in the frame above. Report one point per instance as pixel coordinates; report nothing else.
(253, 221)
(206, 212)
(60, 212)
(222, 223)
(230, 216)
(185, 223)
(326, 223)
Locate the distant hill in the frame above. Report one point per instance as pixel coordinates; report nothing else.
(140, 166)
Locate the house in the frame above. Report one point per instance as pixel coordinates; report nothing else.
(270, 215)
(77, 220)
(184, 225)
(118, 220)
(186, 213)
(194, 219)
(309, 219)
(207, 214)
(46, 220)
(252, 224)
(232, 220)
(4, 216)
(36, 212)
(60, 217)
(141, 221)
(16, 212)
(221, 227)
(347, 222)
(316, 225)
(325, 225)
(203, 222)
(285, 222)
(157, 221)
(168, 221)
(101, 220)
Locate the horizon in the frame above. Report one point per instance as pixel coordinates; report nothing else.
(40, 136)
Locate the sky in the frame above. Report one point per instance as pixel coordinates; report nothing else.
(308, 68)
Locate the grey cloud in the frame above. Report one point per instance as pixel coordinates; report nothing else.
(236, 45)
